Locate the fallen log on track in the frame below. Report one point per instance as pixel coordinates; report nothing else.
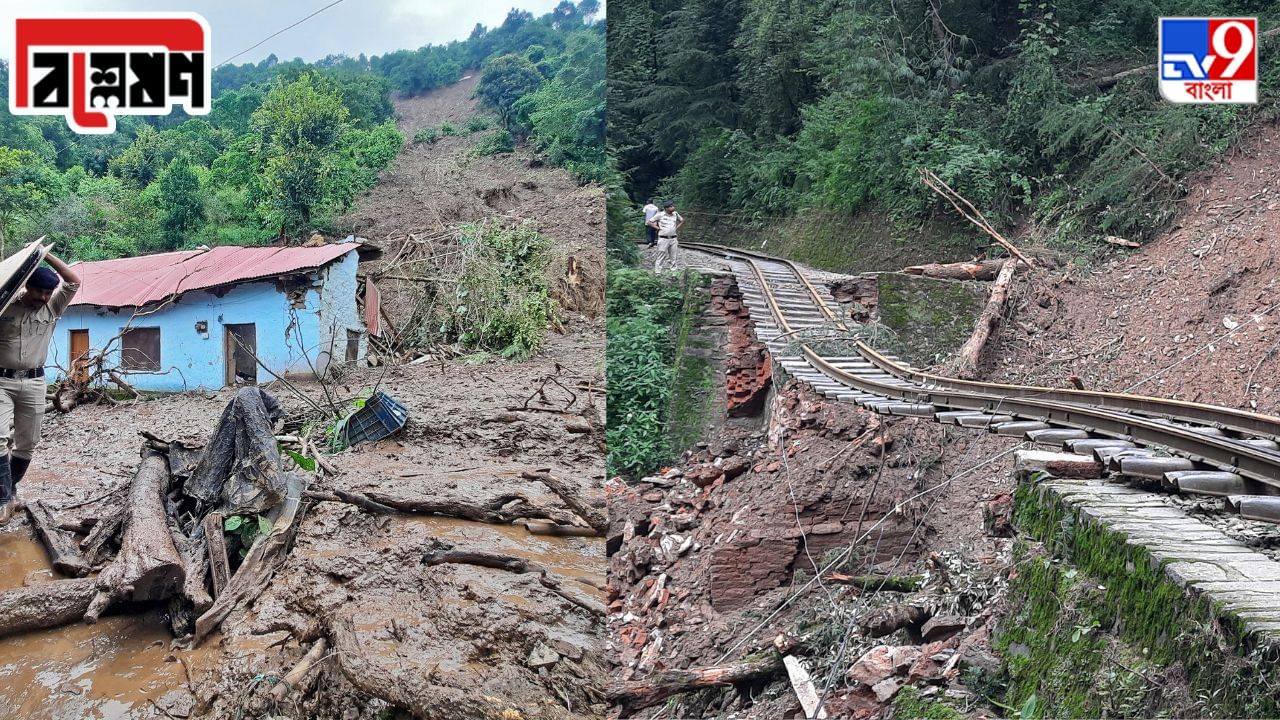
(571, 498)
(969, 356)
(980, 270)
(148, 566)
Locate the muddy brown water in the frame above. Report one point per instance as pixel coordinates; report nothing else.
(111, 670)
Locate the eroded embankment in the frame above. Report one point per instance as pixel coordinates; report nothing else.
(812, 519)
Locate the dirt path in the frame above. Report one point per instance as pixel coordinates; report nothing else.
(447, 637)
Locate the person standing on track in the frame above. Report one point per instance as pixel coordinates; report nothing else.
(649, 211)
(667, 224)
(26, 328)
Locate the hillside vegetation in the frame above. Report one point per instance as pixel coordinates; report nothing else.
(288, 146)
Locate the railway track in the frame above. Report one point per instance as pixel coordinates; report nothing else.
(1186, 447)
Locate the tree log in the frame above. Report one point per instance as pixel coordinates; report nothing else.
(639, 694)
(560, 530)
(94, 544)
(981, 270)
(45, 605)
(971, 353)
(216, 543)
(63, 553)
(871, 583)
(148, 566)
(294, 679)
(483, 559)
(499, 510)
(571, 498)
(258, 567)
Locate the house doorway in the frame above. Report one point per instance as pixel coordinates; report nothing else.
(241, 347)
(79, 356)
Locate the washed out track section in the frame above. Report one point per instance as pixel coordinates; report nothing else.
(1170, 445)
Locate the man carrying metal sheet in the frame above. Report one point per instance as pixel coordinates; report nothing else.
(26, 327)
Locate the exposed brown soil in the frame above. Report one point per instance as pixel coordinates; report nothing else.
(1191, 315)
(448, 638)
(718, 553)
(432, 187)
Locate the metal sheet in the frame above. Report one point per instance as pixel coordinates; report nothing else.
(139, 281)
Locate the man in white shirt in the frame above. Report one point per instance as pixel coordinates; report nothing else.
(667, 224)
(649, 211)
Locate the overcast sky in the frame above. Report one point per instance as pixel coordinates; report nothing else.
(352, 27)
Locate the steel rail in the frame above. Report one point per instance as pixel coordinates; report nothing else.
(1257, 424)
(1226, 453)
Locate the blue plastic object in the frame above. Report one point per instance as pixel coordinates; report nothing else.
(381, 416)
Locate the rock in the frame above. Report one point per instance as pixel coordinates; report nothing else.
(733, 467)
(886, 689)
(904, 656)
(542, 656)
(659, 481)
(652, 496)
(941, 626)
(177, 703)
(997, 516)
(566, 649)
(874, 666)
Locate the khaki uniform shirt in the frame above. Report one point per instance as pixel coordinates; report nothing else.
(25, 333)
(667, 223)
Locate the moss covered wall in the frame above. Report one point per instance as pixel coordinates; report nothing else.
(1095, 628)
(930, 319)
(695, 404)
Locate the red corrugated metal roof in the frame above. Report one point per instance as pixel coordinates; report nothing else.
(137, 281)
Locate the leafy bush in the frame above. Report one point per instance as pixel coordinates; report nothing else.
(476, 124)
(497, 142)
(641, 310)
(501, 301)
(427, 135)
(447, 129)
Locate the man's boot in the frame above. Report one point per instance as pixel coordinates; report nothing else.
(7, 505)
(17, 468)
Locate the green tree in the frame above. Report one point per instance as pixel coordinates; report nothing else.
(299, 125)
(27, 186)
(506, 79)
(181, 206)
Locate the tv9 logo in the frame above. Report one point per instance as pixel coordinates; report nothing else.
(1209, 60)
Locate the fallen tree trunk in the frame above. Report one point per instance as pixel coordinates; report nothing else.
(981, 270)
(258, 567)
(95, 543)
(494, 511)
(148, 566)
(63, 553)
(639, 694)
(513, 565)
(871, 583)
(571, 498)
(560, 530)
(969, 356)
(45, 605)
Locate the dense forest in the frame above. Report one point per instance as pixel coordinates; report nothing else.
(288, 146)
(761, 109)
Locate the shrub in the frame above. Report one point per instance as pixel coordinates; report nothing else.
(498, 142)
(447, 129)
(427, 135)
(476, 124)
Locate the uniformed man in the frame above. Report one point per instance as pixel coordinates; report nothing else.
(26, 328)
(667, 223)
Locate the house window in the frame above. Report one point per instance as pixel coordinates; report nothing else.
(140, 349)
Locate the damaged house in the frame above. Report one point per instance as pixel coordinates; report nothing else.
(205, 319)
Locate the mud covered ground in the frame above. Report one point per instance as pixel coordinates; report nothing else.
(452, 640)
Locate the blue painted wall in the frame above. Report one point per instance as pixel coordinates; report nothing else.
(291, 340)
